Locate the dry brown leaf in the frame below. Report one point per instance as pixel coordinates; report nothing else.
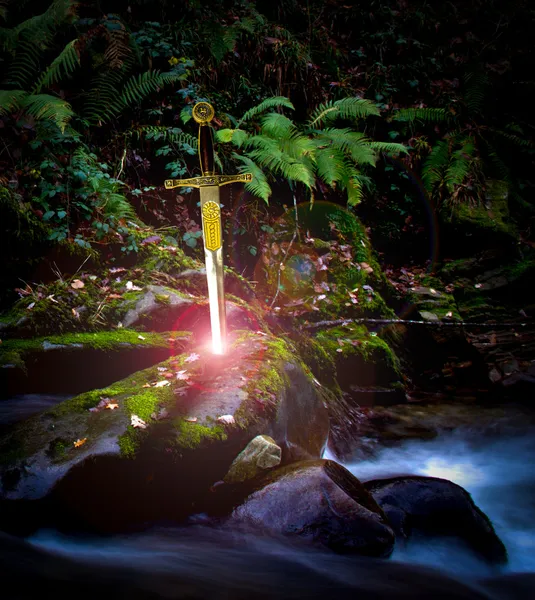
(79, 443)
(77, 284)
(112, 406)
(161, 383)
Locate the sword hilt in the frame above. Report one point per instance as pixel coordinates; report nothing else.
(198, 182)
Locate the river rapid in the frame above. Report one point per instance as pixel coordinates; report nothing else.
(199, 562)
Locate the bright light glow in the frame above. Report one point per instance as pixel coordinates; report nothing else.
(216, 300)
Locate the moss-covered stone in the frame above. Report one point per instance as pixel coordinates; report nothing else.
(13, 351)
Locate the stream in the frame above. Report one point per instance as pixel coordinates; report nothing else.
(199, 562)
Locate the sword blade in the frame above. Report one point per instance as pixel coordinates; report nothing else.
(213, 253)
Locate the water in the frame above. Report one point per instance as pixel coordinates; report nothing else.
(24, 406)
(203, 563)
(497, 472)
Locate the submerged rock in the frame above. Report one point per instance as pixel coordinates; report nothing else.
(319, 501)
(437, 507)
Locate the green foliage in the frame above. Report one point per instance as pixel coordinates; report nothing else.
(62, 66)
(304, 154)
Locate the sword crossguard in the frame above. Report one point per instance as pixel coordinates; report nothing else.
(206, 180)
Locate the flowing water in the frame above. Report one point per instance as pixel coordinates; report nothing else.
(496, 471)
(198, 562)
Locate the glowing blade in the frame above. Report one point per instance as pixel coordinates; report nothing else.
(213, 253)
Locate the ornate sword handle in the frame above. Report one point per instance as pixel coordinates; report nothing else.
(203, 113)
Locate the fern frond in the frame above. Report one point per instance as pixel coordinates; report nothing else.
(11, 100)
(515, 139)
(352, 143)
(330, 165)
(277, 125)
(118, 48)
(46, 107)
(431, 115)
(435, 164)
(25, 65)
(117, 205)
(459, 166)
(135, 90)
(62, 66)
(389, 147)
(476, 84)
(267, 104)
(347, 108)
(259, 185)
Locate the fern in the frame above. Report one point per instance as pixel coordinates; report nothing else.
(259, 185)
(267, 104)
(62, 66)
(45, 107)
(389, 147)
(476, 88)
(11, 100)
(433, 115)
(347, 108)
(24, 67)
(118, 48)
(103, 105)
(330, 165)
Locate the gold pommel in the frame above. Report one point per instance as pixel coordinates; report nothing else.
(198, 182)
(203, 113)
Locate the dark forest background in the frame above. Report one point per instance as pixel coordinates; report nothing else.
(416, 115)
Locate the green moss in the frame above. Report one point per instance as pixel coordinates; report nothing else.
(13, 351)
(356, 339)
(129, 443)
(494, 218)
(192, 435)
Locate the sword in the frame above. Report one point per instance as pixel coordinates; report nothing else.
(208, 185)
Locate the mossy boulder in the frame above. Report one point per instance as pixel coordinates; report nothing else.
(437, 507)
(154, 443)
(319, 501)
(76, 362)
(365, 365)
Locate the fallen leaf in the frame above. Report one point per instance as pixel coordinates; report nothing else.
(30, 306)
(227, 419)
(180, 391)
(112, 406)
(162, 369)
(52, 299)
(115, 296)
(117, 269)
(132, 287)
(191, 419)
(478, 285)
(140, 337)
(162, 383)
(192, 357)
(135, 421)
(145, 385)
(79, 443)
(182, 375)
(77, 284)
(75, 313)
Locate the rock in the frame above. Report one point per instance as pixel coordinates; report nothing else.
(158, 306)
(234, 284)
(428, 316)
(437, 507)
(320, 501)
(121, 475)
(261, 453)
